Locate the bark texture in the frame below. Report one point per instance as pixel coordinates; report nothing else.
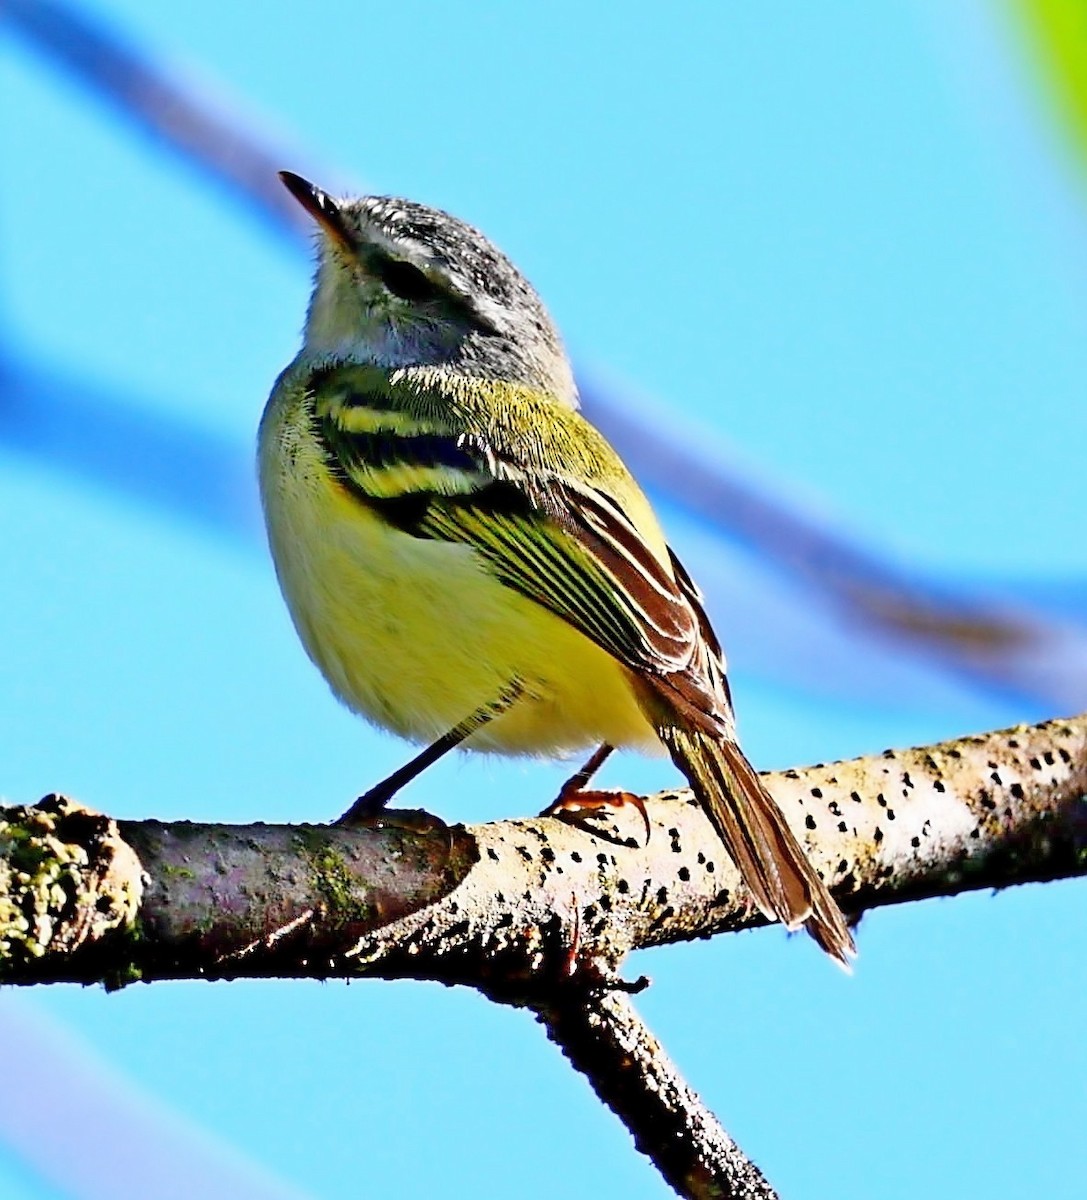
(536, 912)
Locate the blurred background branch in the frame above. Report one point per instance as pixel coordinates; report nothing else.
(991, 641)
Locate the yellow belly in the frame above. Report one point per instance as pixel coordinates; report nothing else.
(416, 636)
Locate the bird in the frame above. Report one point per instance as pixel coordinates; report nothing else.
(465, 557)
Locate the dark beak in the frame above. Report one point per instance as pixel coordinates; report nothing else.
(321, 207)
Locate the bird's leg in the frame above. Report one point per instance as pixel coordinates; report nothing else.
(573, 796)
(373, 801)
(577, 781)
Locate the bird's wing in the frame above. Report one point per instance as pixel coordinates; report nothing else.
(567, 545)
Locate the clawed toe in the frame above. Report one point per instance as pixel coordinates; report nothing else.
(574, 800)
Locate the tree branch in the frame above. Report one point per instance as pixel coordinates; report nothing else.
(532, 912)
(603, 1036)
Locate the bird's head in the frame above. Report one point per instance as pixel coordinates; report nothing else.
(400, 284)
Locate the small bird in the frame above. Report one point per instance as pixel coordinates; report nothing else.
(467, 559)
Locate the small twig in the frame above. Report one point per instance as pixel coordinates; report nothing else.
(603, 1036)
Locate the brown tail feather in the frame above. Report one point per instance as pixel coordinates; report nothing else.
(747, 819)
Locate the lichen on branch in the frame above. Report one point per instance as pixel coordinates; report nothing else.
(503, 905)
(67, 880)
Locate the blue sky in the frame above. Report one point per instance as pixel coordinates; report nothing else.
(843, 244)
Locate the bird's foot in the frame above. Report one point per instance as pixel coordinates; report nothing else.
(371, 811)
(369, 807)
(369, 816)
(573, 799)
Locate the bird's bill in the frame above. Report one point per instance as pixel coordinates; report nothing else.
(321, 207)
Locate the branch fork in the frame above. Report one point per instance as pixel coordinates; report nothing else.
(539, 913)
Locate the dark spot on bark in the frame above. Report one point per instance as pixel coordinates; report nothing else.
(662, 895)
(1016, 790)
(492, 853)
(877, 837)
(1064, 755)
(986, 800)
(995, 777)
(525, 853)
(684, 874)
(701, 858)
(809, 821)
(842, 827)
(881, 800)
(575, 855)
(939, 786)
(842, 865)
(890, 814)
(817, 793)
(954, 754)
(1035, 764)
(915, 842)
(792, 775)
(547, 854)
(622, 887)
(835, 810)
(710, 868)
(855, 797)
(906, 779)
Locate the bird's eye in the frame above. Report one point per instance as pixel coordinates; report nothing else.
(404, 280)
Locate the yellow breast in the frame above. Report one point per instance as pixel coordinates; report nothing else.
(415, 634)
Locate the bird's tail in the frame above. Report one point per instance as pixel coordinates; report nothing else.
(773, 864)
